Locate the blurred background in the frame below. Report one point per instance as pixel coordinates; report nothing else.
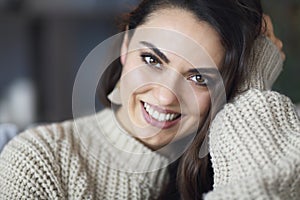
(43, 43)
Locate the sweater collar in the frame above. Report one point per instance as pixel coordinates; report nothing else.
(101, 135)
(132, 154)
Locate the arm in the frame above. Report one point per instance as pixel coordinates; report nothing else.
(255, 148)
(266, 64)
(255, 140)
(266, 59)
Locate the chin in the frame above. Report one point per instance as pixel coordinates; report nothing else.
(156, 142)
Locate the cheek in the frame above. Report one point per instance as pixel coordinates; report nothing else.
(133, 61)
(204, 103)
(133, 83)
(128, 67)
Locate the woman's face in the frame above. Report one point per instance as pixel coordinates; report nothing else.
(167, 66)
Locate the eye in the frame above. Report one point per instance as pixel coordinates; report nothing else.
(198, 79)
(151, 60)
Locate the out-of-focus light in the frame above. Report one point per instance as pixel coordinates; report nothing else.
(19, 105)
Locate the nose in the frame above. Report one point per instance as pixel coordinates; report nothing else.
(165, 96)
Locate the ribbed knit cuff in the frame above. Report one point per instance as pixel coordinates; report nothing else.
(266, 64)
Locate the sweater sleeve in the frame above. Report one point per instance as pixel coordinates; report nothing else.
(255, 148)
(265, 62)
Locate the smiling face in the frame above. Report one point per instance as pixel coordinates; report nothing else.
(167, 66)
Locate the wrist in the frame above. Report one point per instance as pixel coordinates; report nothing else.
(266, 64)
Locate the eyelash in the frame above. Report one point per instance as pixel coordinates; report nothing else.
(146, 55)
(204, 83)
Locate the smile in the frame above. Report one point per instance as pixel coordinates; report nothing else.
(159, 117)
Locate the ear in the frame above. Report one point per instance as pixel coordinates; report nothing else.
(124, 47)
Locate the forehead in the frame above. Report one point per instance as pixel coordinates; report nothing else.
(179, 31)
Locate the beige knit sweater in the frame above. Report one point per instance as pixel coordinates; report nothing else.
(254, 144)
(255, 139)
(255, 148)
(79, 160)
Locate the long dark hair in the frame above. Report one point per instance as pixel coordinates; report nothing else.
(238, 23)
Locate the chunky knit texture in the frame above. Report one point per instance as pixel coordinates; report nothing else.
(255, 140)
(255, 148)
(55, 162)
(254, 145)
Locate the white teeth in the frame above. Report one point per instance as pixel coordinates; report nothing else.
(172, 116)
(168, 117)
(159, 116)
(147, 107)
(155, 114)
(151, 111)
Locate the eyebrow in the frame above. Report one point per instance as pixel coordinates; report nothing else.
(156, 51)
(211, 71)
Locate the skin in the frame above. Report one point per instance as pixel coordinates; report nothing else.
(170, 85)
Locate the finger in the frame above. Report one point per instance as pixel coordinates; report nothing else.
(267, 25)
(278, 43)
(268, 31)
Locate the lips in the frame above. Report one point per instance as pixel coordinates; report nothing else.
(158, 117)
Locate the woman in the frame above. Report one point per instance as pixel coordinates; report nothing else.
(54, 162)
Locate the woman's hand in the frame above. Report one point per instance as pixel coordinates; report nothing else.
(268, 31)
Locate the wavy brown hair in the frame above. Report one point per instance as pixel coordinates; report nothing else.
(238, 23)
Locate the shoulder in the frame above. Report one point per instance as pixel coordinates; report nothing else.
(50, 140)
(42, 140)
(54, 137)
